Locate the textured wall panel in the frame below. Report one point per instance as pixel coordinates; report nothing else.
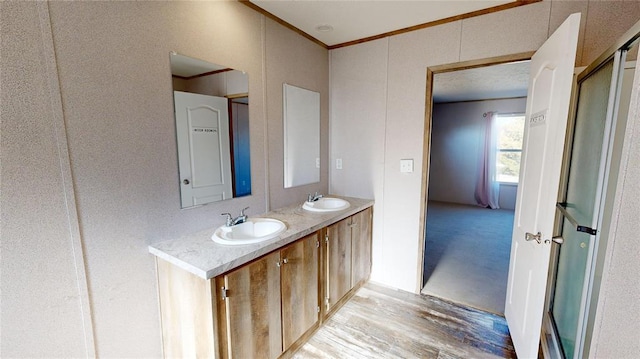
(113, 60)
(606, 22)
(357, 129)
(512, 31)
(409, 56)
(292, 59)
(44, 300)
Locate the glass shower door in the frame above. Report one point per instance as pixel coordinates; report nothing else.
(584, 187)
(592, 160)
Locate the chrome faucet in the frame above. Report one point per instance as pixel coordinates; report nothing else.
(233, 221)
(313, 198)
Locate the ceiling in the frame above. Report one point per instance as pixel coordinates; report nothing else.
(352, 20)
(482, 83)
(185, 66)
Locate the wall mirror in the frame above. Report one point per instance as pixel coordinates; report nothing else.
(301, 117)
(211, 104)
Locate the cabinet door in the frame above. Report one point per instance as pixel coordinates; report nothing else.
(250, 320)
(360, 247)
(338, 250)
(299, 280)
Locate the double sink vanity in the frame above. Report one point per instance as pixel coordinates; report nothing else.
(257, 287)
(260, 288)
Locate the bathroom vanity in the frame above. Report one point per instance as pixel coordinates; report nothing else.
(261, 300)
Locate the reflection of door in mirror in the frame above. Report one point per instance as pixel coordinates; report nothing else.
(301, 136)
(202, 127)
(240, 146)
(214, 160)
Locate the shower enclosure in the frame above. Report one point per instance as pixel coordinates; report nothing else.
(592, 156)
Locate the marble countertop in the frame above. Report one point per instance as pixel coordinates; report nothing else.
(199, 254)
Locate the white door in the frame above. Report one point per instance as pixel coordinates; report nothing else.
(547, 111)
(202, 127)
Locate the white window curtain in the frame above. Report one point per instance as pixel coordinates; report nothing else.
(487, 188)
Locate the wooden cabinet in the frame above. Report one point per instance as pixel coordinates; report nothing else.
(347, 257)
(361, 247)
(249, 318)
(299, 280)
(267, 305)
(187, 313)
(338, 262)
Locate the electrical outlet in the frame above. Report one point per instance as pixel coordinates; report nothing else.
(338, 163)
(406, 166)
(317, 163)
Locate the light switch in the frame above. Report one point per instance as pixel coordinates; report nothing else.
(338, 163)
(406, 166)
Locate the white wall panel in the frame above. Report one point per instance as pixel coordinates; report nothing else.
(516, 30)
(44, 309)
(409, 56)
(357, 83)
(357, 129)
(116, 92)
(293, 59)
(606, 21)
(111, 73)
(457, 139)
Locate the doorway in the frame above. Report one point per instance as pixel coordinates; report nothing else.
(467, 246)
(531, 276)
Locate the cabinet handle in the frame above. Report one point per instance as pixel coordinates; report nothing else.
(278, 263)
(285, 261)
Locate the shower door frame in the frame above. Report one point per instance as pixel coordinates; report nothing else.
(550, 340)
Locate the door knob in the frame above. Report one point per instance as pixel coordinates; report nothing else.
(186, 181)
(533, 237)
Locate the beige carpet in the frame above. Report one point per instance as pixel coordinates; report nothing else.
(467, 254)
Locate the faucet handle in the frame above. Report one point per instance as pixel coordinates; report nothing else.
(242, 212)
(229, 219)
(309, 197)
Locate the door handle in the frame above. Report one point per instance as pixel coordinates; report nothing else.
(186, 181)
(538, 238)
(558, 239)
(533, 237)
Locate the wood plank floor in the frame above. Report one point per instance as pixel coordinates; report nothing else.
(379, 322)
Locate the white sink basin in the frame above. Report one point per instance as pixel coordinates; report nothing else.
(254, 230)
(326, 204)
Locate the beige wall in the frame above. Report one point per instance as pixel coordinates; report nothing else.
(89, 159)
(378, 91)
(458, 130)
(297, 61)
(43, 278)
(379, 87)
(89, 167)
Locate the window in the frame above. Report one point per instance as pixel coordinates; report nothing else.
(510, 129)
